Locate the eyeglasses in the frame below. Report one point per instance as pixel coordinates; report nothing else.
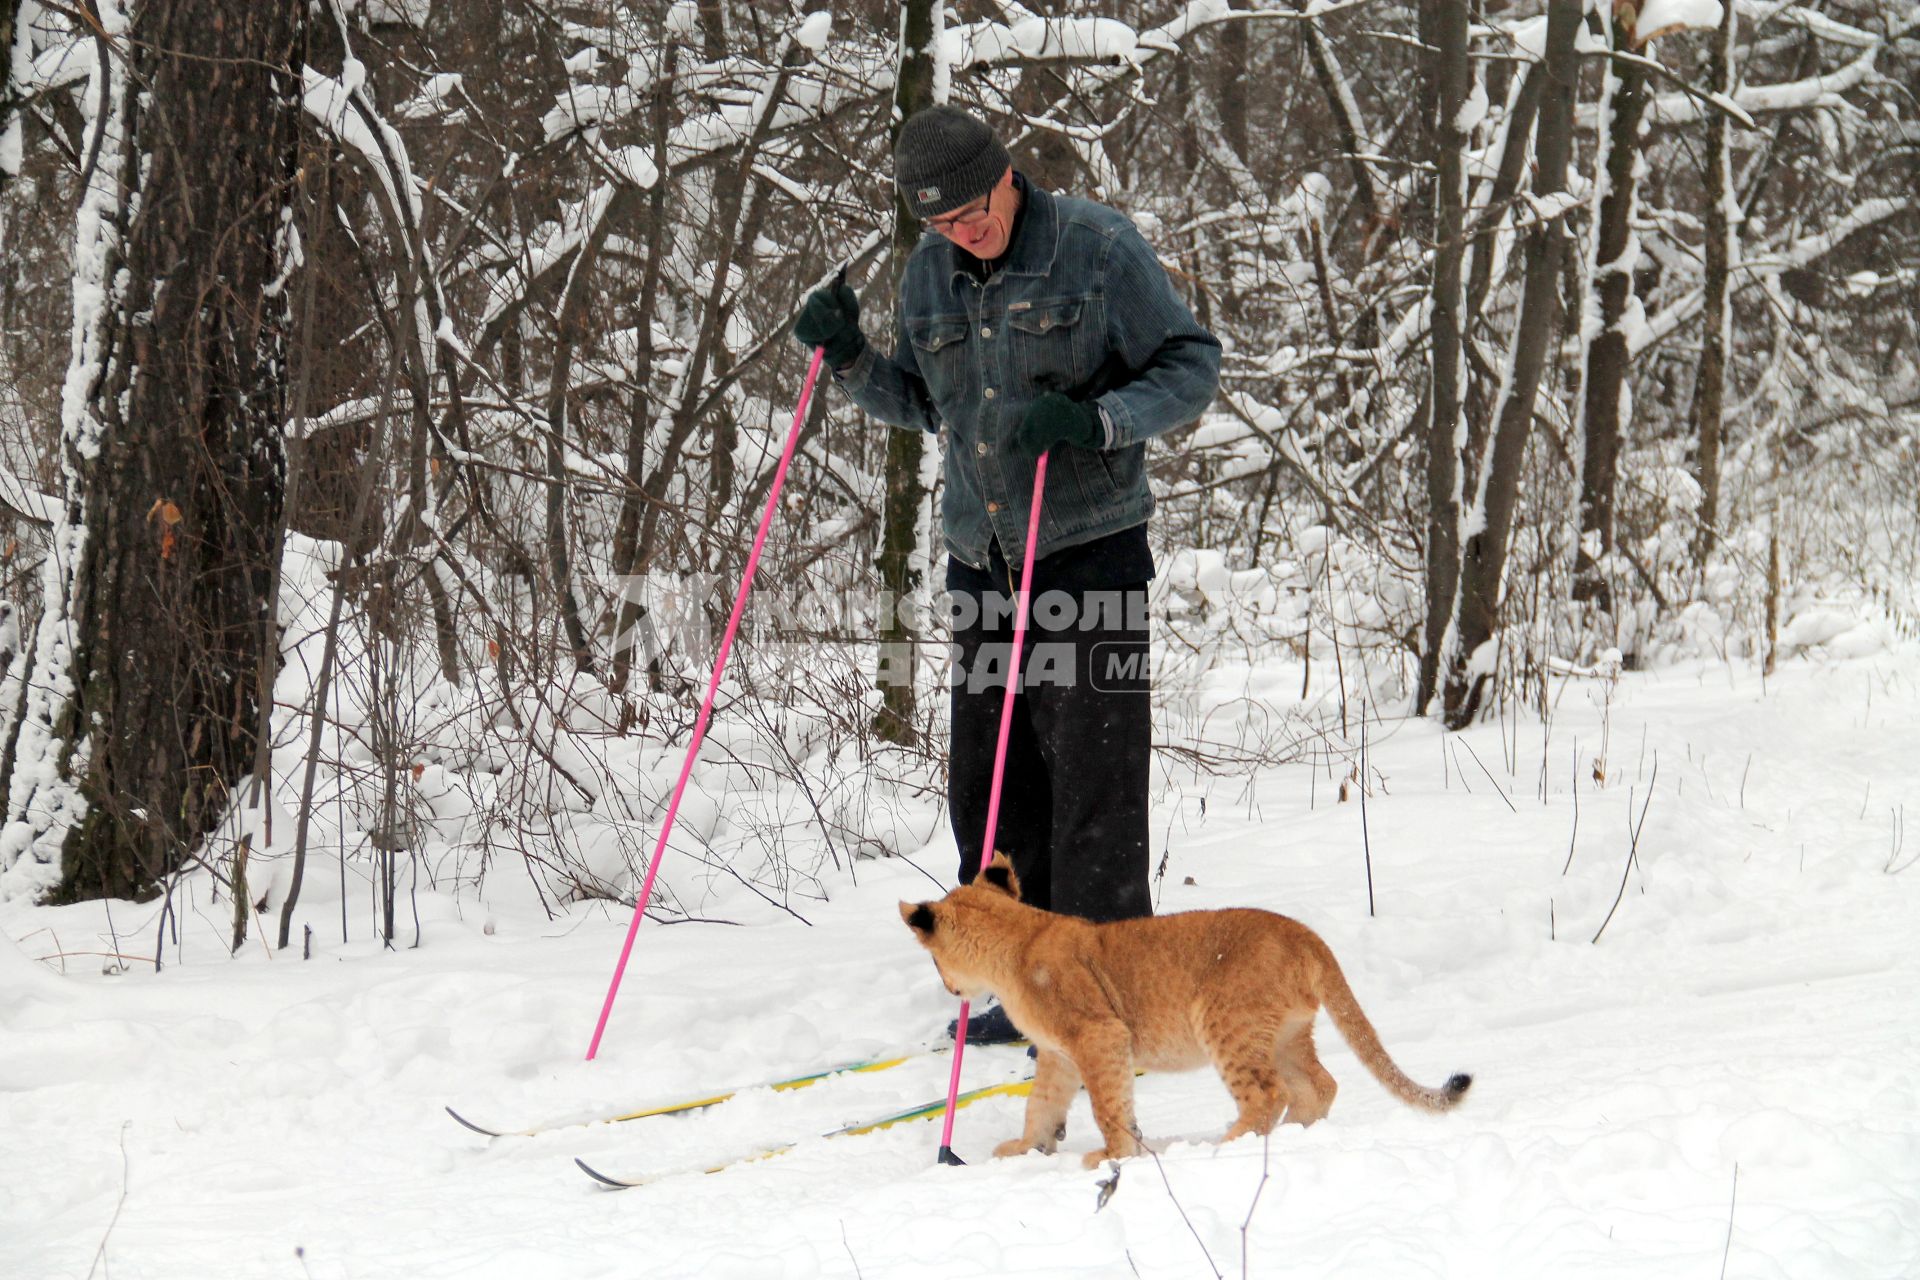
(971, 218)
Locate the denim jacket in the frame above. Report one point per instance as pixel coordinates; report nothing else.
(1081, 306)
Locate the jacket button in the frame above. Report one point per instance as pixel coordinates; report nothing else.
(992, 507)
(981, 448)
(986, 331)
(989, 393)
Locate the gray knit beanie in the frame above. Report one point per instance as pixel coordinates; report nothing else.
(944, 158)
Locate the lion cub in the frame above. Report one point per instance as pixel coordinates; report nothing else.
(1235, 988)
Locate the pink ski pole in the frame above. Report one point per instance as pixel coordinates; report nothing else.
(713, 685)
(993, 793)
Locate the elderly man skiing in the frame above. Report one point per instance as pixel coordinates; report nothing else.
(1032, 322)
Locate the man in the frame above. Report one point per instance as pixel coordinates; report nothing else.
(1032, 323)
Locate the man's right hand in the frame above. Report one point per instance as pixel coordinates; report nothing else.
(831, 319)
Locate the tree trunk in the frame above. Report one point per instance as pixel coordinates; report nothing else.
(900, 552)
(1348, 129)
(1484, 560)
(174, 464)
(1444, 29)
(1710, 383)
(1492, 200)
(1615, 252)
(630, 612)
(1230, 86)
(13, 37)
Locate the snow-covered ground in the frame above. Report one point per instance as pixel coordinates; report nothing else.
(1728, 1081)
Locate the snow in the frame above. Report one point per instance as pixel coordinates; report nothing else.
(1662, 17)
(635, 165)
(1530, 37)
(410, 13)
(21, 496)
(1474, 109)
(1823, 88)
(1816, 626)
(971, 43)
(1555, 204)
(1075, 38)
(60, 66)
(435, 99)
(17, 59)
(581, 106)
(812, 33)
(1732, 1070)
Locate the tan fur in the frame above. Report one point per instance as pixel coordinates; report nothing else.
(1237, 989)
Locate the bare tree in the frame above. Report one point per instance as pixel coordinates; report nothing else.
(1615, 257)
(1484, 556)
(153, 633)
(1719, 215)
(901, 554)
(1444, 28)
(13, 45)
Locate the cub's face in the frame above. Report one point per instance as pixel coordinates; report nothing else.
(926, 919)
(962, 930)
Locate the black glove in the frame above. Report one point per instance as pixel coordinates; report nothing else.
(1053, 418)
(831, 319)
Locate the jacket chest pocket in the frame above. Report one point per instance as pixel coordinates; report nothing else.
(1054, 343)
(940, 350)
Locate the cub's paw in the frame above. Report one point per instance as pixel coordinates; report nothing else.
(1100, 1155)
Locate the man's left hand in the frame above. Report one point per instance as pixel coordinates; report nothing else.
(1054, 418)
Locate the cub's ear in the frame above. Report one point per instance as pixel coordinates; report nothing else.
(999, 874)
(919, 918)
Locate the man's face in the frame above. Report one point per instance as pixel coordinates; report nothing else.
(982, 227)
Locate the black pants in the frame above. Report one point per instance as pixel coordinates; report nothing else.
(1073, 806)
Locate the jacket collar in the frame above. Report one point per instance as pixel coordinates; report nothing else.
(1035, 245)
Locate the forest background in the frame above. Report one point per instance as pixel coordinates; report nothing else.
(392, 389)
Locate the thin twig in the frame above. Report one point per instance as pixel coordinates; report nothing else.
(1899, 843)
(1633, 849)
(1453, 744)
(1366, 841)
(1731, 1201)
(1490, 778)
(1107, 1186)
(1266, 1148)
(1182, 1211)
(101, 1253)
(109, 955)
(848, 1246)
(1575, 834)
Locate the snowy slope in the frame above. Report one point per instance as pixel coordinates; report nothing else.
(1751, 1005)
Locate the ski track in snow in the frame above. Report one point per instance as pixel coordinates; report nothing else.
(1750, 1003)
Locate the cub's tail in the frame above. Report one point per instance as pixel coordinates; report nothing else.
(1338, 999)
